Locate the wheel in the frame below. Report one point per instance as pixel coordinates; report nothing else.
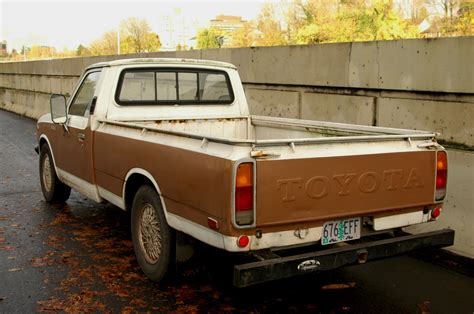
(151, 235)
(54, 191)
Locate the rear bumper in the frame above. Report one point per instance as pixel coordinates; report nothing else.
(278, 267)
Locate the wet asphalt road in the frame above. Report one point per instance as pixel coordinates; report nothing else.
(79, 258)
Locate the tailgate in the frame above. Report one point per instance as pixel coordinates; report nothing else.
(323, 188)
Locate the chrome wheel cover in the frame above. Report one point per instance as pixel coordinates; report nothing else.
(149, 234)
(47, 176)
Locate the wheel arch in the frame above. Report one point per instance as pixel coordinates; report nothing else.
(134, 179)
(43, 139)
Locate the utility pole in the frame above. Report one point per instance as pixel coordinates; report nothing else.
(118, 39)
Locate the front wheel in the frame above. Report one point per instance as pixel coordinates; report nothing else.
(151, 235)
(54, 191)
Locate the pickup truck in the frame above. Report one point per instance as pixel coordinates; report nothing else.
(173, 141)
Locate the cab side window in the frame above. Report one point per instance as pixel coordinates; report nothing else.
(83, 97)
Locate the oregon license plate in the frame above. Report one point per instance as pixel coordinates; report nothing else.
(341, 230)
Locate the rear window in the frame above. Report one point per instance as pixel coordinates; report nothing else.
(173, 86)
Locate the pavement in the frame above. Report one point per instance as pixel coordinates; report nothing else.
(79, 258)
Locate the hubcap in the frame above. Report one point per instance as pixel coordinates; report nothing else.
(47, 180)
(150, 234)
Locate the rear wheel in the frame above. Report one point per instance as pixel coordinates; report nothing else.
(151, 235)
(54, 191)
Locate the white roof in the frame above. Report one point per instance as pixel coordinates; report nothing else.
(167, 61)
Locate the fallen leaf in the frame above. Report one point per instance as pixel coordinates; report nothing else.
(127, 310)
(41, 261)
(11, 257)
(14, 225)
(8, 248)
(14, 269)
(206, 288)
(50, 305)
(226, 308)
(336, 286)
(424, 307)
(122, 293)
(139, 302)
(132, 276)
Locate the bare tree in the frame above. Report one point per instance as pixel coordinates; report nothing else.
(138, 36)
(449, 7)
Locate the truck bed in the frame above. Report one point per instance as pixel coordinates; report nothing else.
(309, 172)
(272, 131)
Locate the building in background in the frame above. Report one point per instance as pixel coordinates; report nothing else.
(3, 48)
(228, 23)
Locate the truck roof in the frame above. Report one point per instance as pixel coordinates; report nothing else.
(171, 61)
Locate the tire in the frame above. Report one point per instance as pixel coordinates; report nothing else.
(54, 191)
(151, 235)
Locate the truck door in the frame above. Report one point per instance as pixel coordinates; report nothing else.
(75, 145)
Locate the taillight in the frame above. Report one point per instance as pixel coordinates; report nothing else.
(244, 194)
(243, 241)
(436, 212)
(441, 175)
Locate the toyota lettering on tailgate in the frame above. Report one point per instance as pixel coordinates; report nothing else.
(318, 187)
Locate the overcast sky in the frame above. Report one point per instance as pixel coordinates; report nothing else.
(69, 23)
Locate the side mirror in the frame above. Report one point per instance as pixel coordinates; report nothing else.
(58, 108)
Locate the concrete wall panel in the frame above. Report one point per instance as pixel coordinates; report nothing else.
(338, 108)
(55, 85)
(364, 67)
(5, 80)
(29, 104)
(423, 65)
(319, 65)
(273, 103)
(453, 120)
(68, 84)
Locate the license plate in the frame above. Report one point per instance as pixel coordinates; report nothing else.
(341, 230)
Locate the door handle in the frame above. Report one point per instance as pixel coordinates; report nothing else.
(81, 137)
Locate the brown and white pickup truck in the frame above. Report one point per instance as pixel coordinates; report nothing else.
(173, 142)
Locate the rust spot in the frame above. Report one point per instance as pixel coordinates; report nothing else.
(177, 121)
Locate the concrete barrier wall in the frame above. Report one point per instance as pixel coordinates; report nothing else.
(420, 84)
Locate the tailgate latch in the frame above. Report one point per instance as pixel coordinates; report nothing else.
(263, 154)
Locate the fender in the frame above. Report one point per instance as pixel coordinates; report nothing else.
(71, 180)
(155, 184)
(181, 224)
(43, 136)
